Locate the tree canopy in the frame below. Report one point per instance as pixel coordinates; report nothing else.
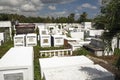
(109, 20)
(48, 19)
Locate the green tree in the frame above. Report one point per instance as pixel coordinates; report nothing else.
(71, 18)
(83, 17)
(109, 20)
(99, 22)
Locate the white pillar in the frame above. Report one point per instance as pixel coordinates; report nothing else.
(54, 53)
(70, 52)
(46, 54)
(67, 52)
(41, 54)
(50, 54)
(59, 53)
(62, 53)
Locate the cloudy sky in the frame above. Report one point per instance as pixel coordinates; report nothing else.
(53, 8)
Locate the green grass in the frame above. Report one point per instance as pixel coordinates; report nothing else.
(117, 52)
(36, 63)
(5, 47)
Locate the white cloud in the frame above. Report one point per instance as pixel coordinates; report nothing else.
(28, 7)
(66, 1)
(57, 1)
(11, 2)
(79, 8)
(52, 7)
(77, 14)
(1, 8)
(20, 5)
(57, 14)
(8, 9)
(60, 13)
(76, 11)
(86, 5)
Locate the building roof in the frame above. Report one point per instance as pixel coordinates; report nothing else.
(25, 26)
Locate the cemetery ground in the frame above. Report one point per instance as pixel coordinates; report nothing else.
(108, 62)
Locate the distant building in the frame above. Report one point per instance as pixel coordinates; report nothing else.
(25, 28)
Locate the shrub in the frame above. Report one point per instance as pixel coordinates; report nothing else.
(81, 51)
(117, 51)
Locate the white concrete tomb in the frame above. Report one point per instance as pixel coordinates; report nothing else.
(17, 64)
(31, 39)
(57, 40)
(2, 36)
(19, 40)
(45, 40)
(84, 72)
(56, 62)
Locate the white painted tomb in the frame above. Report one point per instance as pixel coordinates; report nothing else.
(57, 62)
(87, 25)
(17, 64)
(2, 36)
(45, 40)
(19, 40)
(74, 45)
(77, 35)
(72, 68)
(7, 24)
(43, 31)
(31, 39)
(94, 33)
(57, 40)
(82, 72)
